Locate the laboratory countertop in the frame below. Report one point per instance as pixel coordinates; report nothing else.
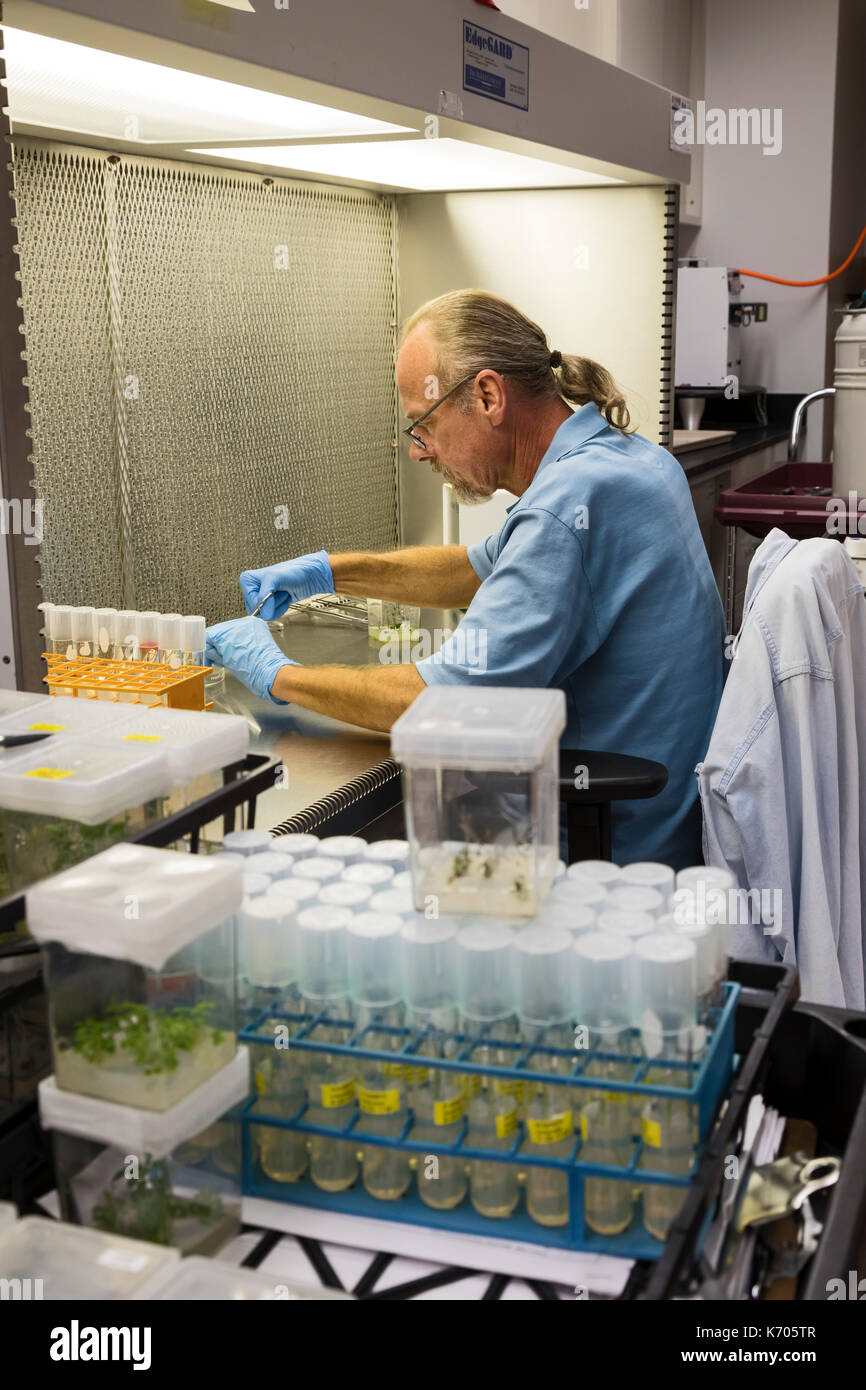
(319, 754)
(746, 441)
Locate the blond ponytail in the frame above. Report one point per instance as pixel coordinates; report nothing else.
(581, 380)
(472, 329)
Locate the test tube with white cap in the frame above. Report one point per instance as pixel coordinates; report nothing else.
(169, 633)
(376, 988)
(647, 874)
(393, 852)
(254, 884)
(147, 632)
(708, 894)
(389, 899)
(666, 1014)
(545, 990)
(487, 998)
(268, 950)
(355, 896)
(323, 980)
(126, 635)
(596, 870)
(566, 916)
(349, 848)
(604, 1007)
(631, 924)
(318, 867)
(403, 879)
(58, 629)
(246, 842)
(193, 639)
(273, 866)
(430, 991)
(578, 890)
(375, 875)
(705, 936)
(628, 898)
(83, 631)
(305, 891)
(298, 845)
(104, 632)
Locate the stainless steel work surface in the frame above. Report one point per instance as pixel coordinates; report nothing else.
(319, 754)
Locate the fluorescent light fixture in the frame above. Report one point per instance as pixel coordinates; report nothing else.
(421, 165)
(64, 86)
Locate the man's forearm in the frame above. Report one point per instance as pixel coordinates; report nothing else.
(432, 576)
(372, 696)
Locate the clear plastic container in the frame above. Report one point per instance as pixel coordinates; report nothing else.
(25, 1044)
(73, 1263)
(17, 701)
(481, 788)
(173, 1178)
(197, 744)
(69, 798)
(388, 621)
(61, 714)
(139, 951)
(217, 1281)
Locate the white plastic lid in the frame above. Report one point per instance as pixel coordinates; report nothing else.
(46, 609)
(83, 621)
(578, 890)
(227, 856)
(78, 1262)
(596, 870)
(254, 884)
(299, 845)
(104, 626)
(625, 897)
(318, 868)
(125, 626)
(301, 889)
(393, 852)
(567, 916)
(266, 941)
(856, 547)
(647, 874)
(633, 924)
(273, 866)
(322, 939)
(402, 880)
(217, 1281)
(15, 701)
(170, 632)
(604, 982)
(178, 897)
(375, 961)
(87, 779)
(704, 874)
(545, 975)
(375, 875)
(486, 983)
(492, 727)
(146, 1131)
(389, 900)
(430, 963)
(340, 894)
(63, 714)
(194, 741)
(61, 622)
(246, 841)
(193, 633)
(345, 847)
(147, 626)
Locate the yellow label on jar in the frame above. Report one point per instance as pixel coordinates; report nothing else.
(340, 1093)
(395, 1069)
(651, 1133)
(470, 1084)
(448, 1112)
(260, 1083)
(509, 1088)
(142, 738)
(378, 1102)
(584, 1127)
(416, 1076)
(553, 1130)
(506, 1123)
(54, 774)
(47, 728)
(615, 1097)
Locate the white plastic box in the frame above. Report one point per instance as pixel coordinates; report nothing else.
(73, 1263)
(139, 949)
(69, 798)
(172, 1178)
(220, 1282)
(481, 772)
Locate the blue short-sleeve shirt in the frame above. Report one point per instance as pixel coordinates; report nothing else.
(598, 582)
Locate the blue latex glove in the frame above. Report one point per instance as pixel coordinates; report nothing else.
(289, 581)
(246, 648)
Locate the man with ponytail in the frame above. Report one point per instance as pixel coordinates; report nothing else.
(598, 582)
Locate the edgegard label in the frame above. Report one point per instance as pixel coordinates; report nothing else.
(337, 1094)
(378, 1102)
(495, 67)
(551, 1131)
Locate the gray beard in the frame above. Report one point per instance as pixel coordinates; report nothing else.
(467, 496)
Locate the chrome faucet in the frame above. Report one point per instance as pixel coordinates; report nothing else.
(799, 416)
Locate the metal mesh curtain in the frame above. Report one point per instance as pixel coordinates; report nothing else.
(210, 359)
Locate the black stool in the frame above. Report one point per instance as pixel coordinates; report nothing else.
(607, 777)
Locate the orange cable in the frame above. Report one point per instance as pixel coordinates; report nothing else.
(822, 280)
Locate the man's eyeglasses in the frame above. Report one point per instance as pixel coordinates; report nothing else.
(409, 431)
